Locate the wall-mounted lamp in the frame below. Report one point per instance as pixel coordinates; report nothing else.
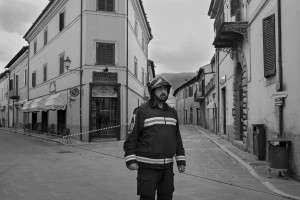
(67, 63)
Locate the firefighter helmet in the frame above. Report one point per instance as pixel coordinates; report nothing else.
(157, 82)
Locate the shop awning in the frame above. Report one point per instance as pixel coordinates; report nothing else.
(38, 105)
(26, 107)
(56, 101)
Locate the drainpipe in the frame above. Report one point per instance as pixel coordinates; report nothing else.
(218, 90)
(126, 68)
(80, 84)
(279, 88)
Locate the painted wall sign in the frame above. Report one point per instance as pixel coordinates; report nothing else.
(104, 91)
(105, 77)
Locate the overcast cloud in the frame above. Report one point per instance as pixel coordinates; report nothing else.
(182, 30)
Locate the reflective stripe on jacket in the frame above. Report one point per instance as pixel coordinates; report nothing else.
(154, 137)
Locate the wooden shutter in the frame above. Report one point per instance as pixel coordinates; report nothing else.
(110, 5)
(269, 46)
(105, 54)
(106, 5)
(33, 79)
(101, 5)
(61, 21)
(61, 64)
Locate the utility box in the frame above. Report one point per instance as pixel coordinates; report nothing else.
(259, 141)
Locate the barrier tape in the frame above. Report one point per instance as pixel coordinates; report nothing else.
(95, 130)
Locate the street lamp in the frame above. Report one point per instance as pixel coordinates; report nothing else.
(67, 63)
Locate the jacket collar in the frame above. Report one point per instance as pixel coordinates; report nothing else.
(154, 104)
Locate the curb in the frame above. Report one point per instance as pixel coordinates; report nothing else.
(249, 168)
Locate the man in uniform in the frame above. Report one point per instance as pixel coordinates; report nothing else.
(153, 142)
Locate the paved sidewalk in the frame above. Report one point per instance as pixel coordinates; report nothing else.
(288, 188)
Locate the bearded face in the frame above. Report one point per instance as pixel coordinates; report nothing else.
(161, 93)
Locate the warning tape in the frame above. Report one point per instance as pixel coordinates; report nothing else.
(95, 130)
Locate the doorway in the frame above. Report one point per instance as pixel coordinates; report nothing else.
(44, 121)
(34, 120)
(238, 92)
(61, 120)
(104, 115)
(223, 93)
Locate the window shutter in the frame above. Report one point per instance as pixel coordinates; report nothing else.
(61, 21)
(33, 79)
(101, 5)
(269, 46)
(110, 5)
(61, 64)
(105, 54)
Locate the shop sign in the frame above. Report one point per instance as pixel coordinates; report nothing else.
(104, 91)
(282, 94)
(278, 101)
(105, 77)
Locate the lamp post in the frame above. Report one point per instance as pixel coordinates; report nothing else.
(67, 64)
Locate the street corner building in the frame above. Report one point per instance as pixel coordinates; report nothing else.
(85, 67)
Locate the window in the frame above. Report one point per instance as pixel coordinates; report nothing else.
(61, 20)
(269, 46)
(61, 64)
(25, 76)
(105, 53)
(135, 66)
(106, 5)
(190, 91)
(11, 84)
(235, 7)
(34, 47)
(45, 73)
(34, 79)
(45, 36)
(143, 43)
(136, 28)
(143, 76)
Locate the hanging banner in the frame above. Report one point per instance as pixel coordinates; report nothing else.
(104, 91)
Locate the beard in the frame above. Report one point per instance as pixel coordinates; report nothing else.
(163, 97)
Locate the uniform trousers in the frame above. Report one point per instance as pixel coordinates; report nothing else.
(151, 181)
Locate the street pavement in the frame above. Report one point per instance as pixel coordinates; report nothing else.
(215, 169)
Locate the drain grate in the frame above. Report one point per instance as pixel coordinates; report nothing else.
(64, 152)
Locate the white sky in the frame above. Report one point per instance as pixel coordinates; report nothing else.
(182, 32)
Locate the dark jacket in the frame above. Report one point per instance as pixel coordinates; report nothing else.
(154, 137)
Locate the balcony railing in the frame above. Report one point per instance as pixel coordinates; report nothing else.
(198, 95)
(229, 32)
(13, 94)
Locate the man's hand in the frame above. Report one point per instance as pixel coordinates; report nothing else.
(133, 166)
(181, 168)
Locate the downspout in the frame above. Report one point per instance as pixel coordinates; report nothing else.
(126, 68)
(280, 67)
(27, 81)
(218, 91)
(80, 71)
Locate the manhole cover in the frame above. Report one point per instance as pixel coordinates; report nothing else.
(64, 152)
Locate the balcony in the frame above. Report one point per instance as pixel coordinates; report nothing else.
(13, 94)
(229, 33)
(198, 95)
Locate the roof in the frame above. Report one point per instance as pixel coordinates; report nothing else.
(17, 56)
(186, 84)
(51, 2)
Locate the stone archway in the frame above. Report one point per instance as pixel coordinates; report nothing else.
(240, 98)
